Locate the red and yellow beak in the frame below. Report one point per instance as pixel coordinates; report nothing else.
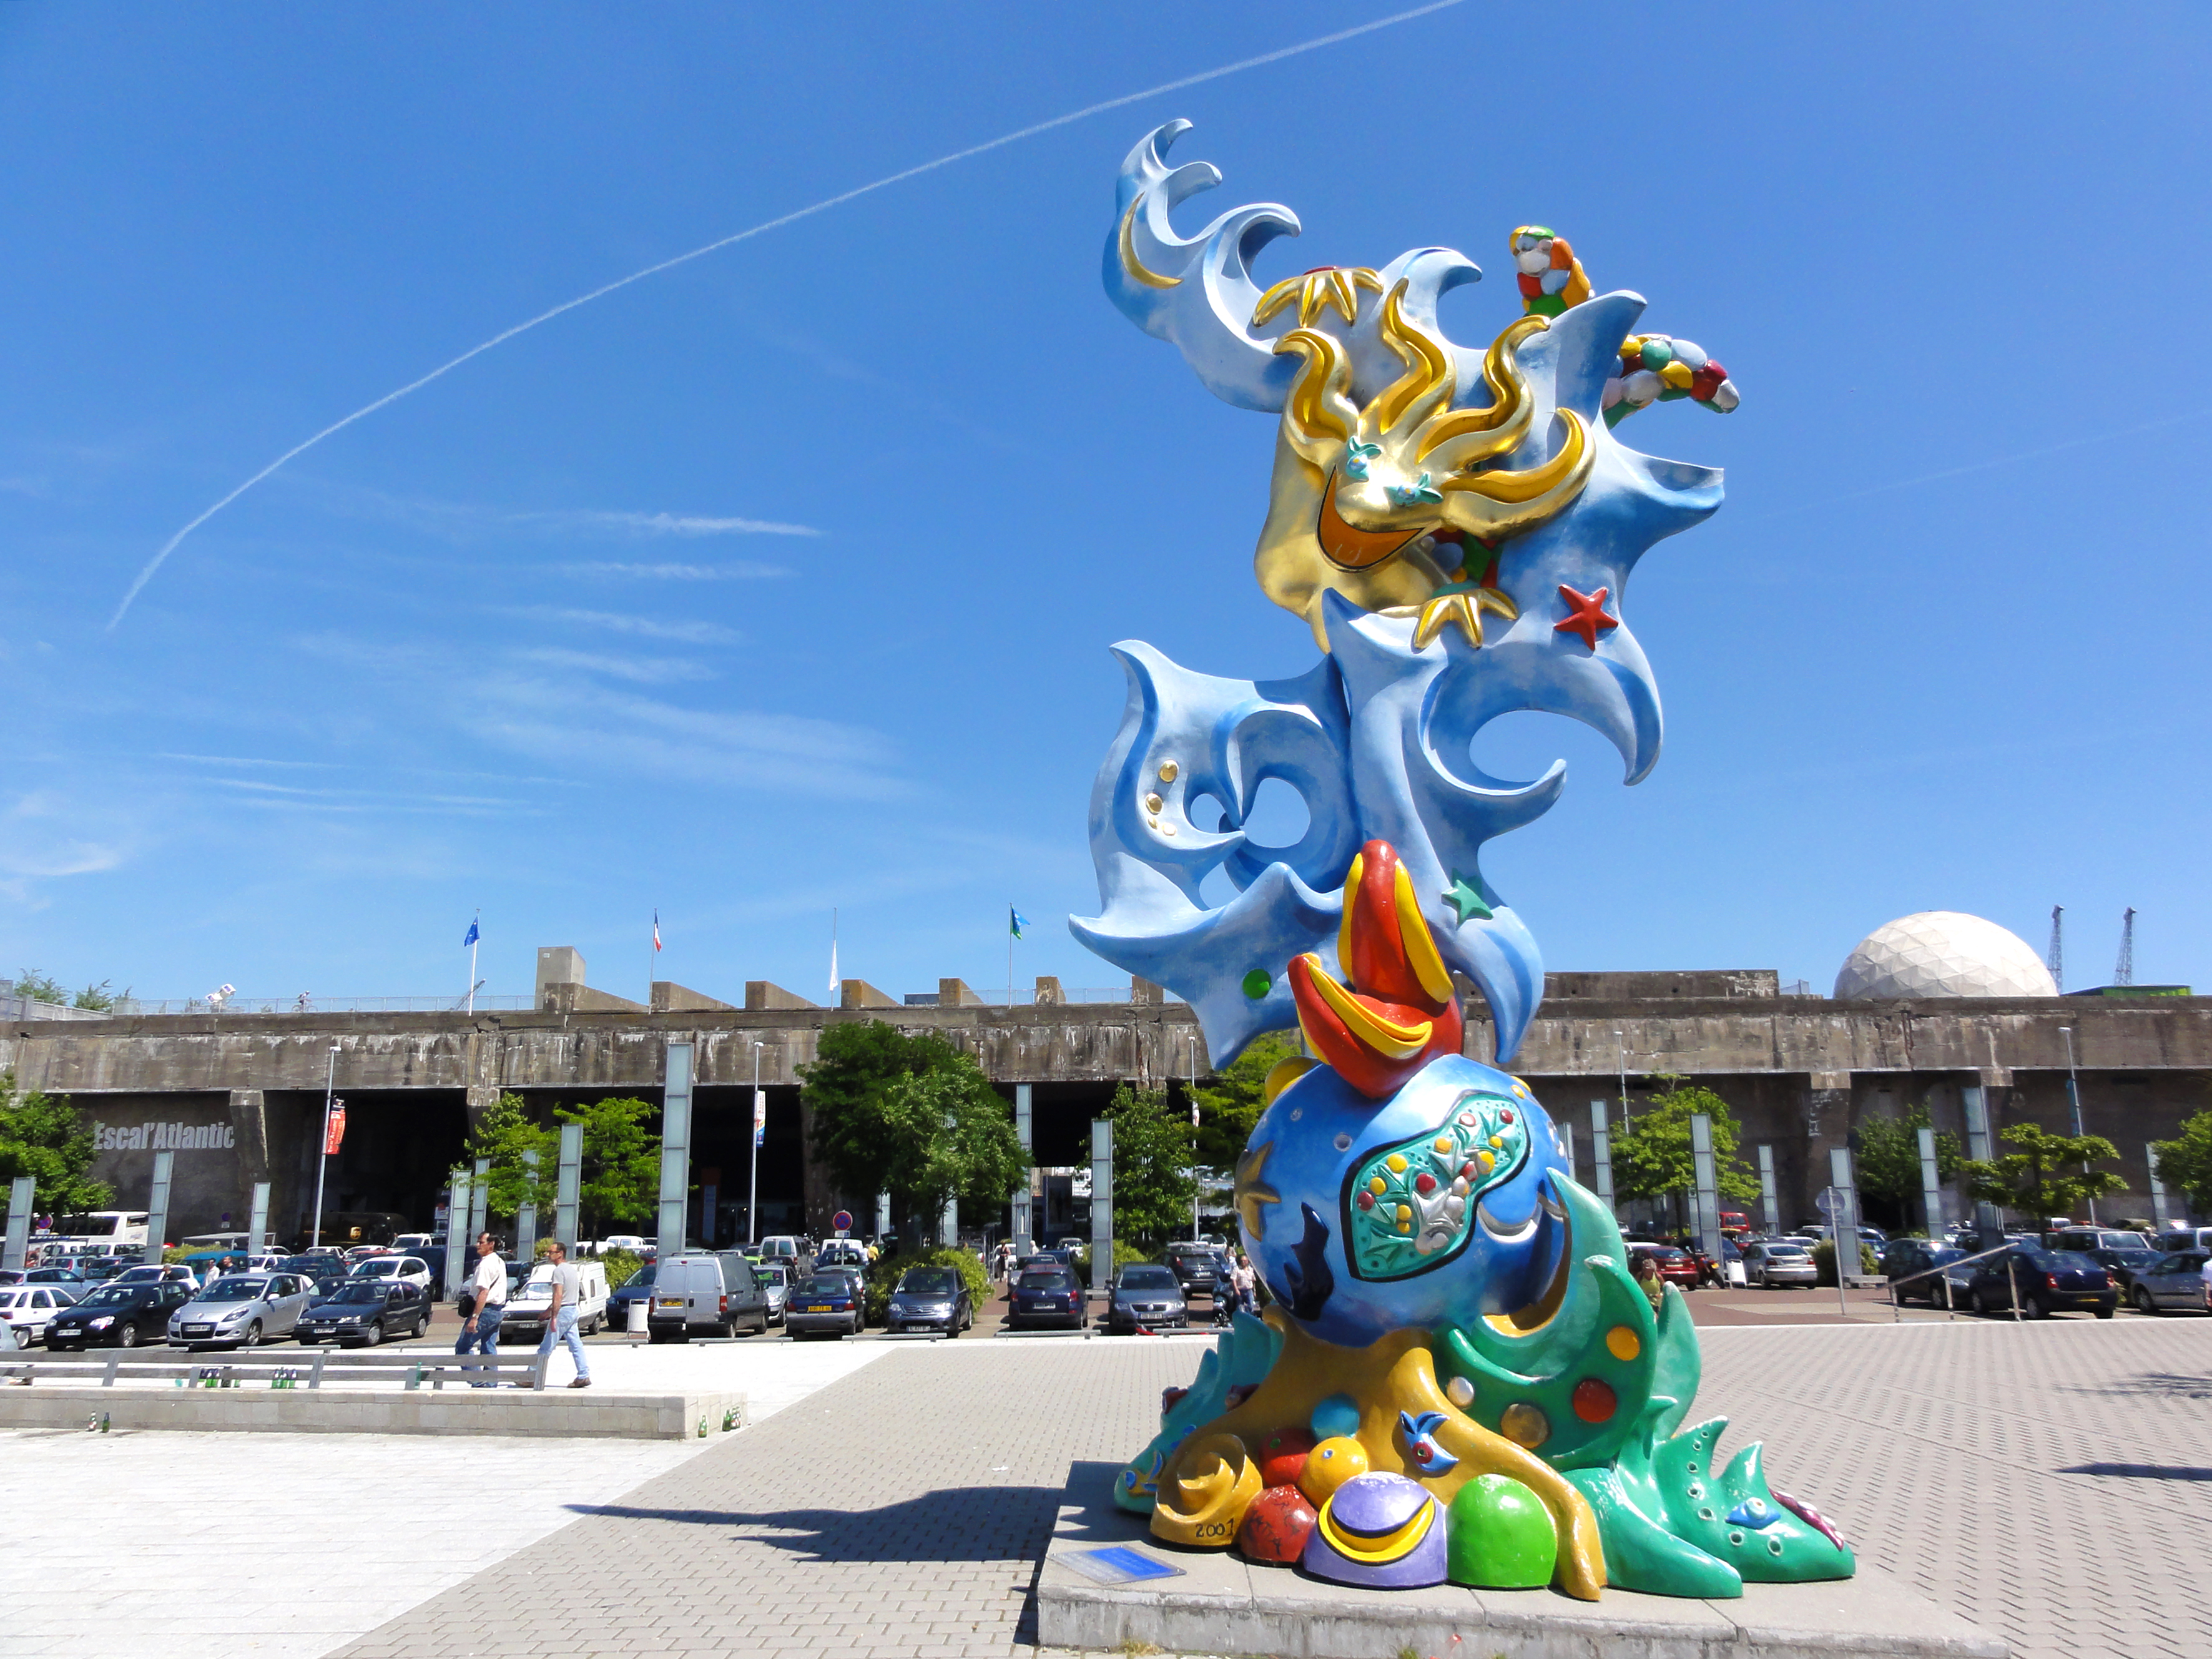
(1400, 1010)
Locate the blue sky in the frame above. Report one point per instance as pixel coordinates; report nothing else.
(782, 581)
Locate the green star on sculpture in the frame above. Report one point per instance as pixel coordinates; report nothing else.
(1463, 898)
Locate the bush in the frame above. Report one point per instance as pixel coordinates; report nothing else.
(621, 1267)
(1824, 1261)
(1124, 1254)
(885, 1275)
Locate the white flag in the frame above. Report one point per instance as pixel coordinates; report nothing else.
(835, 984)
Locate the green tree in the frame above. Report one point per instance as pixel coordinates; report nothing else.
(100, 998)
(40, 1137)
(621, 1174)
(44, 987)
(1229, 1103)
(40, 987)
(503, 1136)
(1153, 1183)
(2048, 1176)
(1651, 1155)
(2185, 1161)
(1888, 1161)
(910, 1115)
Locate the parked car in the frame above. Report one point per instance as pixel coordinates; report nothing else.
(775, 1275)
(316, 1264)
(2186, 1239)
(412, 1268)
(707, 1293)
(119, 1316)
(1197, 1268)
(630, 1242)
(241, 1311)
(1914, 1261)
(1774, 1263)
(842, 1253)
(1145, 1298)
(1675, 1267)
(1046, 1296)
(2123, 1265)
(2090, 1240)
(825, 1304)
(30, 1307)
(638, 1287)
(359, 1313)
(526, 1310)
(2172, 1283)
(2045, 1280)
(414, 1244)
(69, 1278)
(930, 1299)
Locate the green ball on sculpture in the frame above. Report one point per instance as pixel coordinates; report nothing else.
(1500, 1536)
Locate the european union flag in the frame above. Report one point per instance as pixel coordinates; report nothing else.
(472, 935)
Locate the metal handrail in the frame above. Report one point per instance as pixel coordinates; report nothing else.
(1950, 1302)
(436, 1366)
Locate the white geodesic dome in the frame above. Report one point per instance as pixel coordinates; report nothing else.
(1943, 953)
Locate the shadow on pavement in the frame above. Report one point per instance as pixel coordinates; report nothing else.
(963, 1523)
(2141, 1471)
(2168, 1382)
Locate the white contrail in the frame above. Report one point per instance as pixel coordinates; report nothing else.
(823, 206)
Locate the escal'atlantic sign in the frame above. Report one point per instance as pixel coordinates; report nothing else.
(163, 1137)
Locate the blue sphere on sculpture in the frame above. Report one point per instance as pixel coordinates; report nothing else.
(1432, 1206)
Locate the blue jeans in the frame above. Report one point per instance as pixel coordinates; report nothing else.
(484, 1338)
(563, 1329)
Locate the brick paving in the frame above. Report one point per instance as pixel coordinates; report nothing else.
(2037, 1479)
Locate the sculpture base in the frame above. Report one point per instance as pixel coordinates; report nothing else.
(1222, 1604)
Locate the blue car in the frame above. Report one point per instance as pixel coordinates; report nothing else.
(1048, 1297)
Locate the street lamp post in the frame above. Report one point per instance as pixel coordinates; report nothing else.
(323, 1156)
(2074, 1102)
(1191, 1039)
(752, 1181)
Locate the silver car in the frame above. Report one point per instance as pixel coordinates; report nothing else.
(775, 1279)
(241, 1311)
(2172, 1283)
(1775, 1261)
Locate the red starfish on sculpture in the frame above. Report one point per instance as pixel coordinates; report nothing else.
(1587, 618)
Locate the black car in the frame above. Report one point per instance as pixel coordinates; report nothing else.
(638, 1287)
(1197, 1268)
(1048, 1297)
(1912, 1259)
(118, 1316)
(2047, 1281)
(359, 1313)
(930, 1299)
(1145, 1298)
(2123, 1265)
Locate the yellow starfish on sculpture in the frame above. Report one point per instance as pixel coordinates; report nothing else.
(1252, 1192)
(1462, 603)
(1325, 285)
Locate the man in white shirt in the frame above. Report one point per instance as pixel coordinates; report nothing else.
(487, 1292)
(561, 1320)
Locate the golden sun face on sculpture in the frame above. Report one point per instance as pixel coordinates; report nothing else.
(1360, 495)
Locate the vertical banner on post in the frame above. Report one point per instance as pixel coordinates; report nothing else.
(2158, 1214)
(675, 1150)
(22, 1193)
(157, 1207)
(1024, 1130)
(1845, 1219)
(1101, 1203)
(1770, 1202)
(1601, 1158)
(1989, 1225)
(949, 1232)
(526, 1214)
(1708, 1179)
(457, 1235)
(884, 1216)
(570, 1190)
(1931, 1188)
(257, 1237)
(480, 1198)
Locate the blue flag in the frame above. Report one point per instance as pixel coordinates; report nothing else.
(1016, 921)
(472, 935)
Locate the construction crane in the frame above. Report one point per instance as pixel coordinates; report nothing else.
(2055, 958)
(2124, 973)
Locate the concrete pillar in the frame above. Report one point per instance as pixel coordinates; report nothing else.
(479, 1196)
(570, 1189)
(256, 1234)
(249, 1123)
(858, 993)
(1981, 1146)
(526, 1215)
(761, 996)
(482, 1096)
(1931, 1188)
(23, 1197)
(675, 1150)
(1602, 1156)
(2157, 1186)
(1827, 1126)
(557, 965)
(1768, 1201)
(1707, 1175)
(667, 997)
(1024, 1126)
(157, 1207)
(955, 993)
(1144, 993)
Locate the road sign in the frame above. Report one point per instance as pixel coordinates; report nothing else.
(1829, 1202)
(842, 1222)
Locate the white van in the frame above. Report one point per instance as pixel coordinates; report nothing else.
(781, 1247)
(527, 1306)
(121, 1229)
(2186, 1239)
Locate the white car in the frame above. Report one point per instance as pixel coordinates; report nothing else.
(27, 1308)
(630, 1242)
(412, 1268)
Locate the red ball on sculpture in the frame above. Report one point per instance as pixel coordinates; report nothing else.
(1283, 1457)
(1276, 1526)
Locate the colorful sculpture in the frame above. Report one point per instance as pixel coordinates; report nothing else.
(1459, 1378)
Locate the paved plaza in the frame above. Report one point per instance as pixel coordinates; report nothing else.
(2041, 1480)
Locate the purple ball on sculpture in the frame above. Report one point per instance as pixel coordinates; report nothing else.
(1379, 1532)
